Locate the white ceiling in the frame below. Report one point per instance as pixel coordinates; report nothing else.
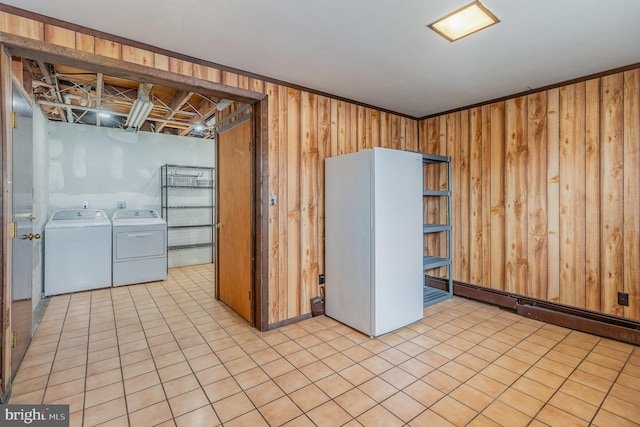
(379, 52)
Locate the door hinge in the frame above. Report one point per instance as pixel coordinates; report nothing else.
(14, 339)
(249, 145)
(14, 120)
(249, 295)
(13, 230)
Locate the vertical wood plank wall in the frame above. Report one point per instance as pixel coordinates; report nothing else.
(304, 129)
(547, 193)
(546, 186)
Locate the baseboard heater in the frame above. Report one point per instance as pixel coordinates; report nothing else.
(595, 323)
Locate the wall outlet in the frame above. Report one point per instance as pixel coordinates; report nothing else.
(623, 299)
(85, 204)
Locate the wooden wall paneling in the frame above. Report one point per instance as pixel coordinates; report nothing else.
(324, 151)
(85, 42)
(294, 267)
(361, 132)
(334, 127)
(256, 85)
(553, 195)
(385, 137)
(516, 195)
(353, 127)
(59, 36)
(498, 250)
(412, 135)
(213, 75)
(572, 195)
(109, 49)
(592, 195)
(283, 204)
(229, 78)
(274, 209)
(396, 142)
(180, 66)
(243, 82)
(537, 195)
(463, 211)
(21, 26)
(476, 263)
(612, 175)
(368, 128)
(343, 129)
(486, 195)
(138, 56)
(453, 147)
(161, 62)
(375, 128)
(441, 146)
(631, 214)
(308, 200)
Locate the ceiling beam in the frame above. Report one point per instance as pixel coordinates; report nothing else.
(177, 101)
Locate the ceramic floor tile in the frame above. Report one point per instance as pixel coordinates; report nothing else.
(453, 411)
(103, 394)
(188, 402)
(165, 350)
(329, 415)
(280, 411)
(354, 401)
(504, 414)
(431, 419)
(554, 417)
(403, 406)
(232, 407)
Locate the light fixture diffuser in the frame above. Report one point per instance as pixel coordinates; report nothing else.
(464, 21)
(140, 110)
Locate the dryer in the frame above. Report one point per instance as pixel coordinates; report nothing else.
(77, 251)
(139, 247)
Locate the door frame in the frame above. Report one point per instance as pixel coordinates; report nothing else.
(34, 49)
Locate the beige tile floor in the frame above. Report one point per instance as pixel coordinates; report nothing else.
(167, 353)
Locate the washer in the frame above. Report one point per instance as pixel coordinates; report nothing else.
(77, 251)
(139, 247)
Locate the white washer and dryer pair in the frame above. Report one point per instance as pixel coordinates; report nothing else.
(84, 250)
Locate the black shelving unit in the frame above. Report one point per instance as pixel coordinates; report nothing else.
(187, 204)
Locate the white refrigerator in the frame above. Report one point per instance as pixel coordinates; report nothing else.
(374, 239)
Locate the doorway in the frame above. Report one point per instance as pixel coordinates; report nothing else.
(41, 51)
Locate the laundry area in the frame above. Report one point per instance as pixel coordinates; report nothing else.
(121, 193)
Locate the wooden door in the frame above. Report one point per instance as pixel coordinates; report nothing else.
(234, 233)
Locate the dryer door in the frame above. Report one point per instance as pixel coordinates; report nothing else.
(139, 244)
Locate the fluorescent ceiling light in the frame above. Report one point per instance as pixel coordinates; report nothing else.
(465, 21)
(140, 110)
(223, 103)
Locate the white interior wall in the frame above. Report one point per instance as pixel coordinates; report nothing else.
(103, 166)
